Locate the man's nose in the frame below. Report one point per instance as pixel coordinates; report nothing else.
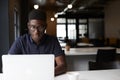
(36, 30)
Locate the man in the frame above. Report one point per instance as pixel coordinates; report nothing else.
(37, 42)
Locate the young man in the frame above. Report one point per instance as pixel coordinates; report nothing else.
(37, 42)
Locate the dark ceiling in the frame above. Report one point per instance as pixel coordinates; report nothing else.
(79, 6)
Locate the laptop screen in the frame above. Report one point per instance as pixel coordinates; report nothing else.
(28, 67)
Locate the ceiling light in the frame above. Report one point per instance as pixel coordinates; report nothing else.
(36, 6)
(52, 19)
(82, 7)
(56, 15)
(65, 9)
(69, 6)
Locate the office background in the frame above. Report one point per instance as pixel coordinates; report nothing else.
(9, 7)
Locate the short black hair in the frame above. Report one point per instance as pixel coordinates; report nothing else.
(37, 14)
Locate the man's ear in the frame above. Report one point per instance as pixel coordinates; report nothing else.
(45, 25)
(28, 27)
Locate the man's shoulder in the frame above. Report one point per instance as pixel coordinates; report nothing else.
(23, 37)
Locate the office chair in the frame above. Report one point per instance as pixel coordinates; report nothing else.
(104, 65)
(106, 55)
(105, 59)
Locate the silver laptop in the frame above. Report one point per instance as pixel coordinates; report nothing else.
(28, 67)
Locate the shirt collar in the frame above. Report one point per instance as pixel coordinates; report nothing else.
(42, 40)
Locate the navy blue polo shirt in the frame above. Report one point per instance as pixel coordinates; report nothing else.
(25, 45)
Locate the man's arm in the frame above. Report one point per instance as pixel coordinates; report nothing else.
(61, 65)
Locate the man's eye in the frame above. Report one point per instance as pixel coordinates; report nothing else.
(33, 27)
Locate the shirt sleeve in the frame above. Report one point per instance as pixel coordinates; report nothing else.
(57, 48)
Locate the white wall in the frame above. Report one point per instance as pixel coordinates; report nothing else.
(112, 19)
(96, 28)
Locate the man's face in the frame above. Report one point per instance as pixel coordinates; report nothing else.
(36, 29)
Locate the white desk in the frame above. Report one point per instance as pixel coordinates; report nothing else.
(89, 75)
(77, 58)
(86, 51)
(92, 75)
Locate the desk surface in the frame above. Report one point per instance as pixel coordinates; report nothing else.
(113, 74)
(84, 44)
(87, 51)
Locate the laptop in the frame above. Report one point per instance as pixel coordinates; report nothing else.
(28, 67)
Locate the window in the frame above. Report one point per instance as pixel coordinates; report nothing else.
(68, 28)
(61, 20)
(16, 24)
(71, 28)
(77, 28)
(61, 28)
(82, 28)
